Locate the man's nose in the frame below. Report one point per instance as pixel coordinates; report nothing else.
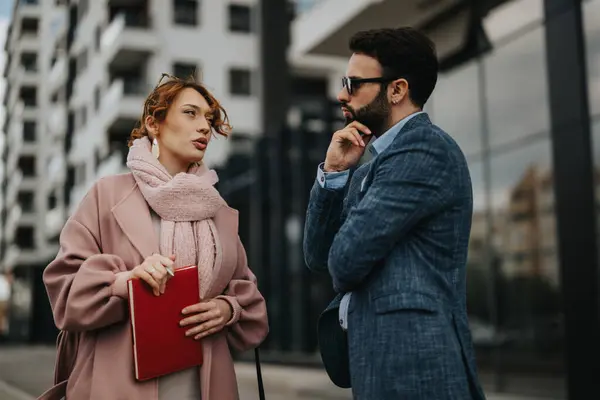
(343, 96)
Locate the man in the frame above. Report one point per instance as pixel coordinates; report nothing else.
(393, 232)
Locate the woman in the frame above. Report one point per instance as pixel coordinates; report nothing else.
(162, 215)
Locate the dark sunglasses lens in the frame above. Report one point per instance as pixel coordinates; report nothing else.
(347, 84)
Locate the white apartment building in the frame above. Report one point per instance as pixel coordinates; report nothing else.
(33, 206)
(121, 48)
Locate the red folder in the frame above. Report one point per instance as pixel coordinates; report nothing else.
(160, 346)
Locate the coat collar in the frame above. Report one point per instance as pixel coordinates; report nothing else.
(132, 214)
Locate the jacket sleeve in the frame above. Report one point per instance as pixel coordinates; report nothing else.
(323, 220)
(248, 326)
(412, 180)
(87, 289)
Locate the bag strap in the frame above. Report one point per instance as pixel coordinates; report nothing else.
(261, 389)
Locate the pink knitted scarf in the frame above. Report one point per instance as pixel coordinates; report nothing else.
(186, 204)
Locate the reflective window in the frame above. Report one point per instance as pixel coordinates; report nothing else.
(530, 324)
(517, 90)
(478, 277)
(456, 107)
(591, 20)
(513, 16)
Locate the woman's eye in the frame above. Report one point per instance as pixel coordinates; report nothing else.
(190, 112)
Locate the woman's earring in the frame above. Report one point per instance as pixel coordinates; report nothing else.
(155, 149)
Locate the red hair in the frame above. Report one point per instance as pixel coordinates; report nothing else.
(162, 97)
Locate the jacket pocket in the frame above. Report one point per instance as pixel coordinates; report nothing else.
(405, 301)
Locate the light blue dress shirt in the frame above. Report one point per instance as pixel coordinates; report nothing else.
(338, 180)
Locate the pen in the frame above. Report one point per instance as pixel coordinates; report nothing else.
(170, 271)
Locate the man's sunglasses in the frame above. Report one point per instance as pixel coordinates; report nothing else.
(353, 84)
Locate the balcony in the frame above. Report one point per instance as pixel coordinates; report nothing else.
(12, 221)
(15, 138)
(111, 166)
(57, 120)
(127, 40)
(15, 128)
(11, 256)
(56, 170)
(58, 74)
(55, 219)
(324, 27)
(123, 103)
(12, 189)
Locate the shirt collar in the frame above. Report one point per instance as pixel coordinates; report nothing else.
(383, 141)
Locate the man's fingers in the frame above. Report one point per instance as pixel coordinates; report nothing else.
(352, 135)
(362, 128)
(356, 134)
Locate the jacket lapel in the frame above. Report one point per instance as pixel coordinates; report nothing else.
(133, 216)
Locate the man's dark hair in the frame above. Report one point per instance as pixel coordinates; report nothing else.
(403, 53)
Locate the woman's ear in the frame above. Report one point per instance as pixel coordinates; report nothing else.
(151, 126)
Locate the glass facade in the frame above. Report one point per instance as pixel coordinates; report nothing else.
(497, 109)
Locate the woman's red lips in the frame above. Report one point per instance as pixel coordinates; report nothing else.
(200, 143)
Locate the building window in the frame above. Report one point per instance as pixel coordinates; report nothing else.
(97, 94)
(29, 128)
(185, 70)
(185, 12)
(29, 96)
(26, 201)
(240, 18)
(82, 9)
(240, 82)
(83, 116)
(25, 237)
(98, 37)
(52, 201)
(82, 61)
(29, 61)
(27, 165)
(29, 26)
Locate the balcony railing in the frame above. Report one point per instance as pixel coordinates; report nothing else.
(58, 73)
(12, 189)
(57, 121)
(124, 98)
(55, 220)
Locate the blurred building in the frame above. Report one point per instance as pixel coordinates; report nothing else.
(78, 72)
(33, 209)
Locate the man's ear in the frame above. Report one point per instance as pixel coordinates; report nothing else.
(399, 90)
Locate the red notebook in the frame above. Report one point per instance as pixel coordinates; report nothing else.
(160, 346)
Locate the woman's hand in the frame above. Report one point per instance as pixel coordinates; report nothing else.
(209, 317)
(154, 271)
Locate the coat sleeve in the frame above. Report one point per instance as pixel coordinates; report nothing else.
(87, 289)
(248, 326)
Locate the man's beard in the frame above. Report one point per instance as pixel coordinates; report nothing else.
(374, 115)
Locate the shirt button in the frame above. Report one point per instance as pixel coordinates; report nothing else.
(322, 179)
(341, 321)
